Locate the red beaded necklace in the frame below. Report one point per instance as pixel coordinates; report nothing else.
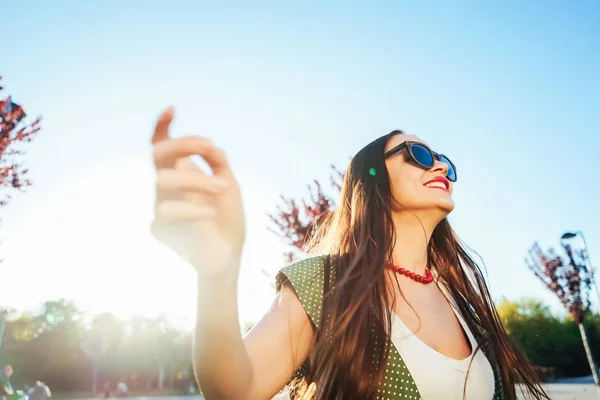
(428, 278)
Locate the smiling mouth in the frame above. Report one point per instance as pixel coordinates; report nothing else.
(437, 185)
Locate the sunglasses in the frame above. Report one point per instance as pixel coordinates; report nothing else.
(424, 157)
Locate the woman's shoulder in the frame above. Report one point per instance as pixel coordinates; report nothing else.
(307, 278)
(305, 269)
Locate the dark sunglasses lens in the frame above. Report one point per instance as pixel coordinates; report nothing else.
(422, 155)
(451, 170)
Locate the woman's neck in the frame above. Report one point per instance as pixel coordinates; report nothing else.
(412, 239)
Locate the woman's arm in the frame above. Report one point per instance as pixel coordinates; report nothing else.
(200, 216)
(260, 364)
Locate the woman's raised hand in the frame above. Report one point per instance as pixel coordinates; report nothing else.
(198, 215)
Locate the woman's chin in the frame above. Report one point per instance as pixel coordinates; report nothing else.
(446, 205)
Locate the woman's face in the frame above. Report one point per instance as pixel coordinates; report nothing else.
(414, 188)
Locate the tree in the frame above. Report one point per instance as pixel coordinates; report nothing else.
(528, 321)
(295, 222)
(13, 132)
(57, 346)
(106, 332)
(568, 277)
(45, 345)
(156, 350)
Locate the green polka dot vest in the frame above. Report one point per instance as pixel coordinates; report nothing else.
(307, 278)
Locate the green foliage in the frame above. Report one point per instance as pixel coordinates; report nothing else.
(47, 346)
(550, 341)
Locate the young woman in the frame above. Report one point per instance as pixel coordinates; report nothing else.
(392, 307)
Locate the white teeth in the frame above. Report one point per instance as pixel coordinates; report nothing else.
(436, 184)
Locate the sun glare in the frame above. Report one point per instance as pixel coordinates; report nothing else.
(92, 245)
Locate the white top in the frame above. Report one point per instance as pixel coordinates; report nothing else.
(440, 377)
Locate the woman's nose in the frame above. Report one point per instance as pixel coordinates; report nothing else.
(440, 166)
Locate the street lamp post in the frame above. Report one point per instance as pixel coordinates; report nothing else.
(592, 270)
(588, 262)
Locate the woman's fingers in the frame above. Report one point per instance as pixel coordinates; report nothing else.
(168, 152)
(161, 130)
(178, 210)
(186, 163)
(186, 180)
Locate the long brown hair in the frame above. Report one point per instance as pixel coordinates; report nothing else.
(351, 350)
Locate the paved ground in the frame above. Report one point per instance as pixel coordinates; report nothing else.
(573, 392)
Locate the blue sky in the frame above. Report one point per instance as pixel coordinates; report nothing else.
(509, 91)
